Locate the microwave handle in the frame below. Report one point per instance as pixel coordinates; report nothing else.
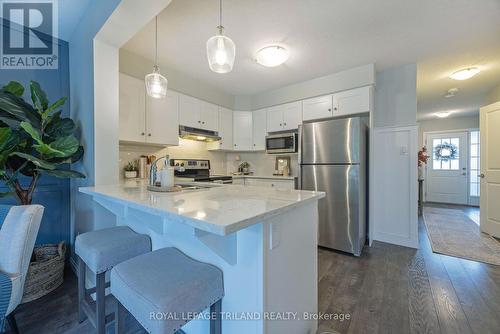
(299, 158)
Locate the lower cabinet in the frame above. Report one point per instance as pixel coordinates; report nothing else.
(269, 183)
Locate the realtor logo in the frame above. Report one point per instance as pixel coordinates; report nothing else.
(29, 34)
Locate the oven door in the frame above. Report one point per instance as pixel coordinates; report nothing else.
(281, 143)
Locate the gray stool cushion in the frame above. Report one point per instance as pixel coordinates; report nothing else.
(166, 281)
(101, 250)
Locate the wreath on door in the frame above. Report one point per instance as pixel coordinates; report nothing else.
(446, 152)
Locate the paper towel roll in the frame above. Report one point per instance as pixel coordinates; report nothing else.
(167, 177)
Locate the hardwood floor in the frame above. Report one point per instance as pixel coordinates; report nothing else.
(389, 289)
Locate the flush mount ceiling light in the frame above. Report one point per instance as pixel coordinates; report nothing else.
(272, 56)
(156, 84)
(443, 114)
(465, 74)
(221, 50)
(451, 92)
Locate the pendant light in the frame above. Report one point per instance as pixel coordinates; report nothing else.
(220, 50)
(156, 84)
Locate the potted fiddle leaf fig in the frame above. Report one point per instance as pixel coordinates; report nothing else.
(35, 140)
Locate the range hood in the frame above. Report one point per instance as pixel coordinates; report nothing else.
(187, 132)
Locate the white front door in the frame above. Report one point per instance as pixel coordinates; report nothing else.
(446, 180)
(490, 169)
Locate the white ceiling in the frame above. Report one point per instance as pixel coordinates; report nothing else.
(327, 36)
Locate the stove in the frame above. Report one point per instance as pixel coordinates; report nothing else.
(197, 170)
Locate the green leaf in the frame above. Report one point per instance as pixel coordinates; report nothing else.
(36, 161)
(69, 160)
(32, 132)
(8, 143)
(38, 97)
(14, 88)
(16, 108)
(53, 107)
(64, 173)
(60, 148)
(59, 127)
(5, 134)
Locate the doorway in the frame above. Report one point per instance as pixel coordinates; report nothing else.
(447, 169)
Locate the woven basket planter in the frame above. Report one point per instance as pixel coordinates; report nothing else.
(46, 271)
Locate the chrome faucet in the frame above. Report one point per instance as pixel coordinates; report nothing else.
(153, 170)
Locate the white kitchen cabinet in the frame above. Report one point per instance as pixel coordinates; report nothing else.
(259, 120)
(242, 130)
(284, 117)
(199, 114)
(209, 116)
(144, 119)
(317, 108)
(354, 101)
(225, 131)
(266, 182)
(162, 119)
(132, 107)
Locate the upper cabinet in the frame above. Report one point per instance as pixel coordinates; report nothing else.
(199, 114)
(259, 120)
(284, 117)
(349, 102)
(225, 131)
(144, 119)
(317, 108)
(162, 119)
(132, 106)
(242, 131)
(354, 101)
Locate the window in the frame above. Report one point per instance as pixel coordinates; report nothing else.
(444, 158)
(474, 163)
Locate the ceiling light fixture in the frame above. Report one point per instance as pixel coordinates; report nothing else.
(451, 92)
(465, 74)
(272, 56)
(156, 84)
(443, 114)
(221, 50)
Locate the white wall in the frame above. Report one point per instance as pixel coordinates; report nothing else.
(446, 124)
(138, 67)
(393, 157)
(493, 96)
(395, 97)
(348, 79)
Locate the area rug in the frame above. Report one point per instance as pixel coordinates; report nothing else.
(452, 233)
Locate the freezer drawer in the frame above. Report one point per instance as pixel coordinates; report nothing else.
(341, 212)
(332, 141)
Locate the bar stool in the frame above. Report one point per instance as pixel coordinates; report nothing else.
(100, 251)
(160, 287)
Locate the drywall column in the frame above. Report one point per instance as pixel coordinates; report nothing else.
(393, 175)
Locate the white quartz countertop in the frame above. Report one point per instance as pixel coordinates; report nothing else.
(268, 177)
(219, 209)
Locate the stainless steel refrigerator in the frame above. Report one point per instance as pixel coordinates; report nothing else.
(333, 159)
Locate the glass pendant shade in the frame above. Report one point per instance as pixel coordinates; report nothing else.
(221, 52)
(156, 84)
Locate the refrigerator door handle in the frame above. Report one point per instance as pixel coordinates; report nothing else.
(299, 158)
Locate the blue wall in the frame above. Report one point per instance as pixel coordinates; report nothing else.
(52, 193)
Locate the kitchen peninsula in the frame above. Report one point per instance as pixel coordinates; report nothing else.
(263, 239)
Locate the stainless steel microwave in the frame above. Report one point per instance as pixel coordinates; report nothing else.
(282, 143)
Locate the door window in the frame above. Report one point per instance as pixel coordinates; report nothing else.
(474, 163)
(446, 153)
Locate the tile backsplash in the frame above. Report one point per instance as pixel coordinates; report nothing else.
(221, 162)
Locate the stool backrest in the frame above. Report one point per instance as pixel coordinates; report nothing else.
(17, 238)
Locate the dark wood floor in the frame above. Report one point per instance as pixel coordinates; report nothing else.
(389, 289)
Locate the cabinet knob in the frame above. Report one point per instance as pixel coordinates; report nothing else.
(199, 121)
(149, 134)
(335, 108)
(329, 109)
(202, 122)
(253, 144)
(281, 124)
(142, 133)
(284, 124)
(235, 145)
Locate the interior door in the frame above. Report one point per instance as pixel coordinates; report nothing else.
(490, 169)
(447, 170)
